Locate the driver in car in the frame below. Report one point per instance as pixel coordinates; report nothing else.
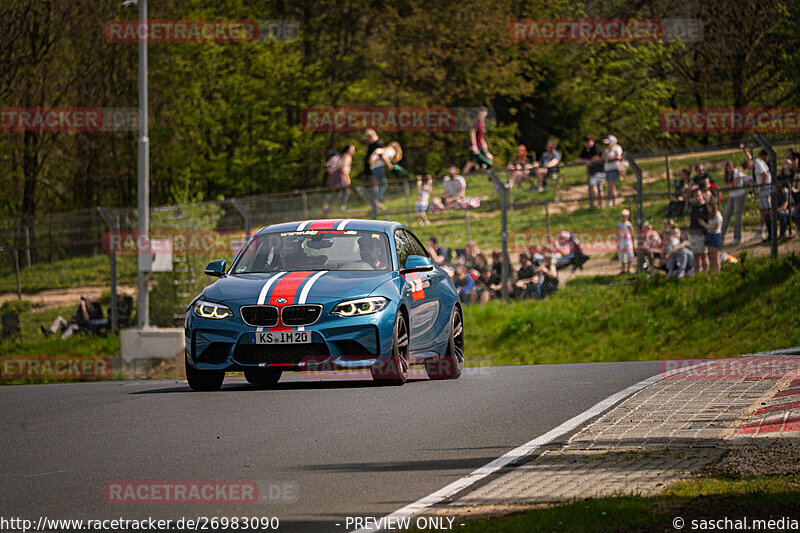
(291, 255)
(372, 252)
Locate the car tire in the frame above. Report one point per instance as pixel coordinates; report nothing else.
(203, 380)
(395, 370)
(264, 377)
(452, 364)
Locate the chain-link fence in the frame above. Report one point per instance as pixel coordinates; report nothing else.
(500, 214)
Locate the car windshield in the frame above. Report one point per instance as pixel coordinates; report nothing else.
(315, 250)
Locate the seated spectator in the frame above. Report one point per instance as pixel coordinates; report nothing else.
(520, 166)
(524, 284)
(701, 174)
(87, 311)
(455, 188)
(548, 163)
(464, 284)
(782, 201)
(653, 242)
(485, 287)
(547, 275)
(680, 259)
(439, 254)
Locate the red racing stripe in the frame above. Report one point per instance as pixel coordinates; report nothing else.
(779, 407)
(327, 223)
(772, 426)
(287, 288)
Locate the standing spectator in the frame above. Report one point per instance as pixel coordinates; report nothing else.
(612, 158)
(713, 234)
(734, 182)
(382, 161)
(339, 179)
(438, 253)
(625, 241)
(373, 143)
(796, 200)
(548, 163)
(782, 200)
(592, 157)
(478, 149)
(520, 166)
(697, 231)
(423, 195)
(701, 174)
(763, 181)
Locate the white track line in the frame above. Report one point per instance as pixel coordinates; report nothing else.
(526, 449)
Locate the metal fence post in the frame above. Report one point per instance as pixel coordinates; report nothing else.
(669, 181)
(244, 214)
(15, 256)
(305, 203)
(466, 223)
(639, 214)
(112, 258)
(547, 220)
(407, 192)
(773, 164)
(506, 266)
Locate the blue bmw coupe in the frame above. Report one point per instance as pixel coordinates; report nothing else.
(325, 295)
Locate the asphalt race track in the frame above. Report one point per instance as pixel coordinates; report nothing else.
(319, 450)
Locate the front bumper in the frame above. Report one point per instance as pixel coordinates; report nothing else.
(337, 343)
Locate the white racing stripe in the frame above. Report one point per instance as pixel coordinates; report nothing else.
(304, 225)
(526, 449)
(262, 296)
(342, 224)
(307, 289)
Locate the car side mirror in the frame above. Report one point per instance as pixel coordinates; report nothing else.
(215, 268)
(417, 263)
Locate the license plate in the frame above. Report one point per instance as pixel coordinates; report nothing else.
(280, 337)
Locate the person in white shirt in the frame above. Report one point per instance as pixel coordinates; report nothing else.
(612, 157)
(763, 181)
(713, 235)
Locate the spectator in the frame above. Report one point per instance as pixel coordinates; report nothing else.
(520, 166)
(87, 311)
(547, 275)
(438, 254)
(369, 179)
(455, 188)
(612, 163)
(478, 149)
(485, 287)
(339, 179)
(713, 238)
(680, 259)
(709, 189)
(625, 241)
(423, 195)
(382, 161)
(701, 174)
(524, 284)
(796, 200)
(782, 201)
(592, 157)
(763, 180)
(734, 182)
(548, 163)
(697, 233)
(464, 284)
(653, 242)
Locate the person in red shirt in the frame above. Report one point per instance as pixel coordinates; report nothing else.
(478, 149)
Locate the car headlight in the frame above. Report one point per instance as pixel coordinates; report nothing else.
(362, 306)
(212, 310)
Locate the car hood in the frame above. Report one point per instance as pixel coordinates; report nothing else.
(245, 288)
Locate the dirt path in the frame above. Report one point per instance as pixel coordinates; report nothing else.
(57, 298)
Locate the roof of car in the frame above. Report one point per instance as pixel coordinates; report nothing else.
(384, 226)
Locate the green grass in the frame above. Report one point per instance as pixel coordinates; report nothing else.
(702, 498)
(748, 307)
(89, 271)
